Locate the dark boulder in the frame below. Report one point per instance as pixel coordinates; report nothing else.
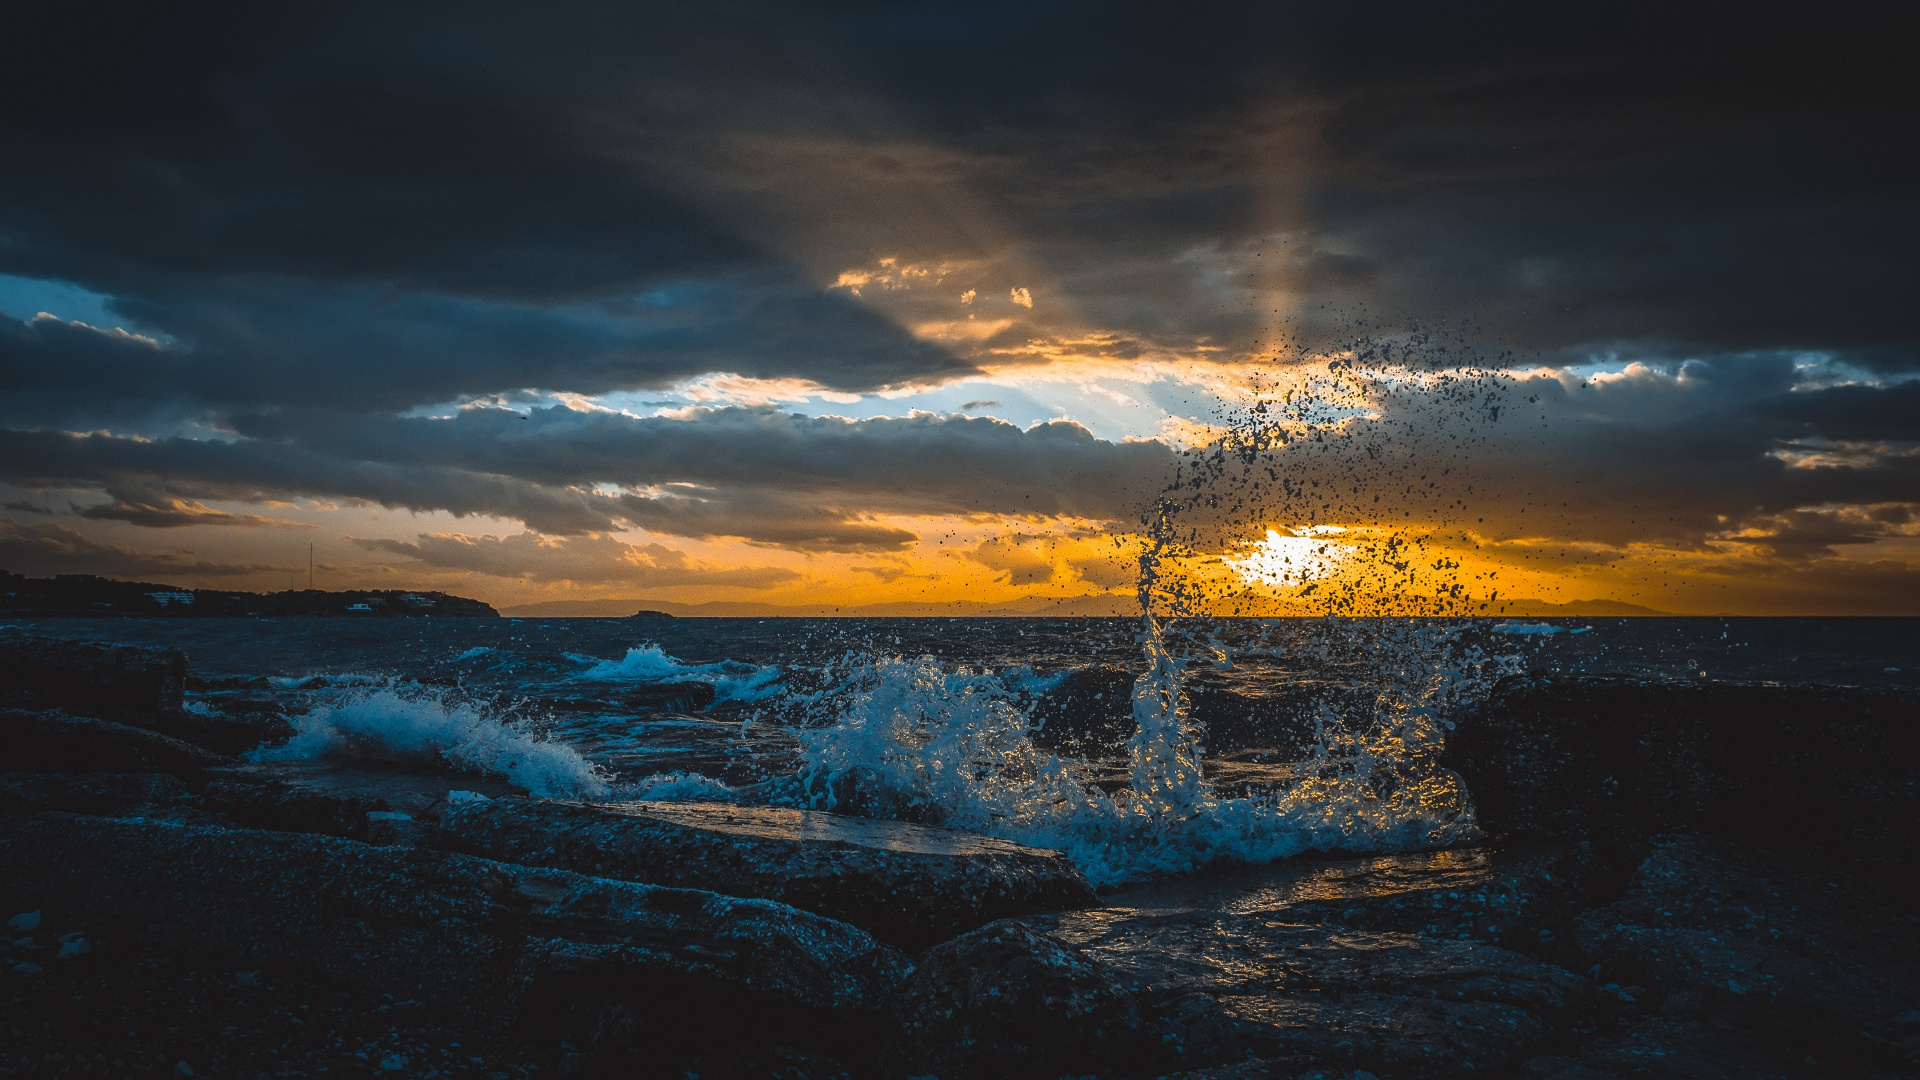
(89, 793)
(1090, 714)
(554, 951)
(219, 732)
(1810, 958)
(334, 797)
(668, 697)
(56, 742)
(1823, 772)
(88, 677)
(909, 885)
(1008, 1001)
(1219, 989)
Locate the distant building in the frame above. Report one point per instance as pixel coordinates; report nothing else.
(360, 607)
(165, 599)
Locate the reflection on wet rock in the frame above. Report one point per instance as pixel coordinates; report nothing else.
(909, 885)
(1219, 988)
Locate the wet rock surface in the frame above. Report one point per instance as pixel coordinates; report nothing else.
(90, 793)
(1218, 989)
(399, 919)
(334, 797)
(560, 953)
(1617, 761)
(1806, 959)
(1007, 1000)
(57, 742)
(909, 885)
(1524, 899)
(89, 677)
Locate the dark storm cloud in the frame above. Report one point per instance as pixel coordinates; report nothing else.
(767, 476)
(315, 221)
(1850, 412)
(254, 472)
(378, 206)
(580, 559)
(917, 464)
(47, 548)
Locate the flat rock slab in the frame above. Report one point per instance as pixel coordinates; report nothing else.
(908, 885)
(451, 931)
(335, 797)
(57, 742)
(89, 793)
(1221, 989)
(91, 678)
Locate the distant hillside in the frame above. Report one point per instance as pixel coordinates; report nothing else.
(1034, 606)
(1030, 606)
(84, 595)
(1602, 608)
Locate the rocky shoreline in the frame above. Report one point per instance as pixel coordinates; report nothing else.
(1659, 896)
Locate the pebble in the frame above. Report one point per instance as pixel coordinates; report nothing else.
(25, 922)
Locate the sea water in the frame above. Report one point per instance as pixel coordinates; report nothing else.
(935, 720)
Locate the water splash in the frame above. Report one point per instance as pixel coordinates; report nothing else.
(429, 726)
(732, 680)
(916, 740)
(911, 739)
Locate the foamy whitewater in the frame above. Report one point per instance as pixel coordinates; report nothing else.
(730, 679)
(925, 740)
(404, 722)
(919, 740)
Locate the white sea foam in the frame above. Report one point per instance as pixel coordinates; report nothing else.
(413, 723)
(1029, 681)
(474, 653)
(914, 739)
(732, 680)
(1542, 629)
(679, 787)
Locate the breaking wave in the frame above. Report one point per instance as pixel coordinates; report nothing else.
(405, 722)
(913, 739)
(732, 680)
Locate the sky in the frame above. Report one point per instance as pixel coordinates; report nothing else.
(1348, 308)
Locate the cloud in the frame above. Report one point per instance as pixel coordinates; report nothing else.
(1020, 558)
(588, 560)
(48, 548)
(161, 512)
(293, 233)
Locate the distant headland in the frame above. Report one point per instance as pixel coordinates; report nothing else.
(84, 595)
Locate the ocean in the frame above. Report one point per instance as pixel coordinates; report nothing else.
(1142, 751)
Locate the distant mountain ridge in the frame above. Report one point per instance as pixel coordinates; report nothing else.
(84, 595)
(1096, 606)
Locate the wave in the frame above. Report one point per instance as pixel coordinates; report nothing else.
(732, 680)
(407, 722)
(914, 740)
(679, 787)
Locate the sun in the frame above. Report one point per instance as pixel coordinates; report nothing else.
(1282, 560)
